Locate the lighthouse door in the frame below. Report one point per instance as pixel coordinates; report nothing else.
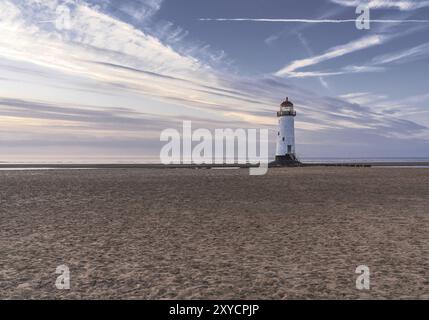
(289, 149)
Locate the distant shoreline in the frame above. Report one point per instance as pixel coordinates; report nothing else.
(194, 166)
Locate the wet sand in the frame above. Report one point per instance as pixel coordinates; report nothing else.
(296, 233)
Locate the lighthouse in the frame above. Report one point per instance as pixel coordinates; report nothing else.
(285, 151)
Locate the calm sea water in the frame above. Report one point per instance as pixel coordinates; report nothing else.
(363, 160)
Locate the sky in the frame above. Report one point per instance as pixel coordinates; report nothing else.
(99, 80)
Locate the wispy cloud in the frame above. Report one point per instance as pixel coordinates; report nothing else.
(332, 53)
(315, 21)
(139, 10)
(377, 64)
(407, 108)
(363, 97)
(306, 45)
(404, 5)
(403, 56)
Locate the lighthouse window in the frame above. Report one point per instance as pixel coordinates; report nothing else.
(283, 138)
(278, 133)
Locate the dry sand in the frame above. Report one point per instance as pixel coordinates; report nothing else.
(188, 234)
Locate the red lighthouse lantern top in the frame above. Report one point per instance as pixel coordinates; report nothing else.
(286, 109)
(287, 103)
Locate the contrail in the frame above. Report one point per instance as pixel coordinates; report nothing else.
(311, 20)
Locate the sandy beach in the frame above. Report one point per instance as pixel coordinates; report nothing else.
(295, 233)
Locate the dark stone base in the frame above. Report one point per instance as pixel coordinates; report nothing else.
(289, 160)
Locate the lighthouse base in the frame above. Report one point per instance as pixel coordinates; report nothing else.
(288, 160)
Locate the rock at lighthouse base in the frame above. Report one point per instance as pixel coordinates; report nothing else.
(288, 160)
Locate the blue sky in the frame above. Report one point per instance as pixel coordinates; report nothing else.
(103, 87)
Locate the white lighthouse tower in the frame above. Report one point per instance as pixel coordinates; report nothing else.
(285, 151)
